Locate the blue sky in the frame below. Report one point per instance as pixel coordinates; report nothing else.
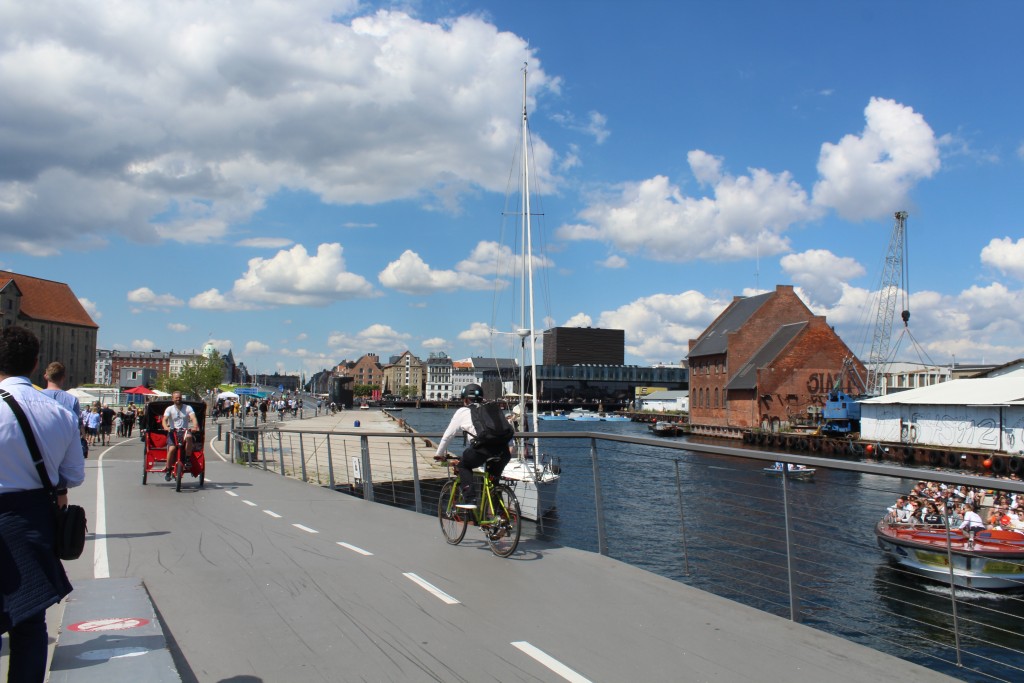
(305, 182)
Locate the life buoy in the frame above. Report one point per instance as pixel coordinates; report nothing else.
(998, 465)
(1016, 465)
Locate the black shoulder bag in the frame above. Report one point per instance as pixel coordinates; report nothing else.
(69, 539)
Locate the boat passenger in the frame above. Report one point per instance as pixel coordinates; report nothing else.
(955, 516)
(972, 521)
(930, 515)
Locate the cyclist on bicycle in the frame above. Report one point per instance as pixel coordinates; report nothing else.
(474, 455)
(179, 421)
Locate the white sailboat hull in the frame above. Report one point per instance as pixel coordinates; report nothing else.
(537, 492)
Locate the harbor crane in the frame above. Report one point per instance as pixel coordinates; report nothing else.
(894, 284)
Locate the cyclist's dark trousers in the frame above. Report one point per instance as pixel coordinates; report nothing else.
(475, 457)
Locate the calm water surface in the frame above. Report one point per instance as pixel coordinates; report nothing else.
(717, 523)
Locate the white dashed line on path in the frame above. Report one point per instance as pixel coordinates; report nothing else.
(272, 514)
(305, 528)
(431, 588)
(550, 662)
(249, 503)
(354, 548)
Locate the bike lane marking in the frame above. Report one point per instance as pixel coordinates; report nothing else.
(431, 588)
(354, 548)
(305, 528)
(549, 661)
(272, 514)
(249, 503)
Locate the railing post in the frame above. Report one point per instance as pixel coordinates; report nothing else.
(364, 446)
(417, 495)
(794, 604)
(330, 463)
(302, 458)
(280, 452)
(682, 520)
(602, 538)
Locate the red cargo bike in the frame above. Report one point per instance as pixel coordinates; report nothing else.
(154, 439)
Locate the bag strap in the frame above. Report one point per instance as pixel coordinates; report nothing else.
(30, 438)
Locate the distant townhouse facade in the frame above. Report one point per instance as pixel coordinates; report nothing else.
(439, 377)
(367, 370)
(51, 310)
(405, 370)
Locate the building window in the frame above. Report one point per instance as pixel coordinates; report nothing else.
(716, 397)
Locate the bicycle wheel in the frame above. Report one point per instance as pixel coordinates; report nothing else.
(503, 535)
(453, 520)
(179, 469)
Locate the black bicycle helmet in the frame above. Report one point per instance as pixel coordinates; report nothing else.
(474, 392)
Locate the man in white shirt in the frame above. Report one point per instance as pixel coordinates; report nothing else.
(33, 577)
(179, 421)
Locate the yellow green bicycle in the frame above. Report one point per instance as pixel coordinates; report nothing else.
(497, 513)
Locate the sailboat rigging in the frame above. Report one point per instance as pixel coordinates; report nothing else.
(534, 476)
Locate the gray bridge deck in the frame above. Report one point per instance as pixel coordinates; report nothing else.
(259, 577)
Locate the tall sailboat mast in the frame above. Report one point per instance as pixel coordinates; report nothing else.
(527, 255)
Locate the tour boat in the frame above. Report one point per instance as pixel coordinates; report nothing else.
(994, 559)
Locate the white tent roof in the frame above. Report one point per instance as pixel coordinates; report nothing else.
(157, 392)
(83, 395)
(985, 391)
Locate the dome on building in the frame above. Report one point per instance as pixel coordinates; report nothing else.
(209, 350)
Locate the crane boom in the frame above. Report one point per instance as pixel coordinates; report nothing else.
(893, 282)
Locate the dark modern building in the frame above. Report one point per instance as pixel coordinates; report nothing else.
(584, 346)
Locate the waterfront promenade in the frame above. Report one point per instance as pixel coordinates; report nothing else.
(259, 577)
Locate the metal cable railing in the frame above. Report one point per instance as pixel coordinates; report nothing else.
(709, 516)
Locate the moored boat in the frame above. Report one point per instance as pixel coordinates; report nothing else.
(994, 559)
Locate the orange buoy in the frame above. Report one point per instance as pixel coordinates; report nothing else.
(987, 463)
(869, 449)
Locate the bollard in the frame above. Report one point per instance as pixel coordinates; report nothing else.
(220, 432)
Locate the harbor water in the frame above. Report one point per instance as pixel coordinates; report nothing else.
(718, 523)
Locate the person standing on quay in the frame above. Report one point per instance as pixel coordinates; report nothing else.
(31, 577)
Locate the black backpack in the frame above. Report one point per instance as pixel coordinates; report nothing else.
(490, 424)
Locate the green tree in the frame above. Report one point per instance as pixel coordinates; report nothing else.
(197, 377)
(364, 390)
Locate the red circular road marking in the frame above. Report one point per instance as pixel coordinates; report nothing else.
(112, 624)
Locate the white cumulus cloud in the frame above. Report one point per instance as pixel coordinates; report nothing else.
(411, 275)
(156, 120)
(821, 274)
(870, 175)
(146, 298)
(256, 347)
(292, 277)
(1006, 256)
(744, 216)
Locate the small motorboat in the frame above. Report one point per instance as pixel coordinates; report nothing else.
(666, 428)
(795, 471)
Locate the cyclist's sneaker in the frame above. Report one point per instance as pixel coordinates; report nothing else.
(167, 475)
